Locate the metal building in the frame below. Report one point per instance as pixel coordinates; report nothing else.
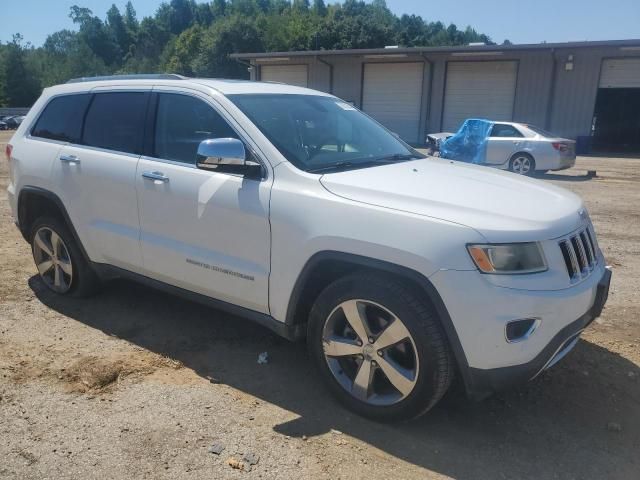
(588, 91)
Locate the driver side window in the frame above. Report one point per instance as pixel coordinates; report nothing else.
(182, 122)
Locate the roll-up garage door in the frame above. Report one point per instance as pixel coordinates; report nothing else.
(392, 94)
(478, 90)
(291, 74)
(620, 73)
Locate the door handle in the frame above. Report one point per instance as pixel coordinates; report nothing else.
(159, 176)
(71, 159)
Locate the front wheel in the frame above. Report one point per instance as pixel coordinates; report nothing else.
(379, 347)
(522, 164)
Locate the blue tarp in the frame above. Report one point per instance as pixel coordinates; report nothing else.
(469, 144)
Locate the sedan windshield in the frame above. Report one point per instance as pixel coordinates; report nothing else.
(322, 134)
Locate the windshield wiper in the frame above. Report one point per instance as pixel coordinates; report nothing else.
(338, 166)
(333, 166)
(397, 157)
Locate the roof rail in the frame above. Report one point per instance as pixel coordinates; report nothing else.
(139, 76)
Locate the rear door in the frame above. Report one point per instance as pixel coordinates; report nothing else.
(504, 140)
(203, 231)
(96, 176)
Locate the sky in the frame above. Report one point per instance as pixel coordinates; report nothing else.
(519, 21)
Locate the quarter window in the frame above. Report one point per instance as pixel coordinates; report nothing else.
(182, 122)
(62, 118)
(501, 130)
(115, 121)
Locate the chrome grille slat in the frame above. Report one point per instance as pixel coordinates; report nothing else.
(588, 249)
(582, 257)
(579, 253)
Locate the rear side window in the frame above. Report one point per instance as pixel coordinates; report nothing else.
(62, 118)
(501, 130)
(115, 121)
(182, 122)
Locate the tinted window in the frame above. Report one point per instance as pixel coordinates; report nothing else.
(115, 121)
(500, 130)
(62, 118)
(182, 122)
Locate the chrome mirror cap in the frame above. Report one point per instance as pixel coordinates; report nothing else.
(216, 152)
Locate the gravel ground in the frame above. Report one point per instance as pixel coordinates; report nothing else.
(136, 384)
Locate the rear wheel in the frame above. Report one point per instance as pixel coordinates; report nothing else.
(379, 347)
(60, 264)
(522, 164)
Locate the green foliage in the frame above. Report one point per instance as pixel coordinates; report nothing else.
(20, 85)
(195, 38)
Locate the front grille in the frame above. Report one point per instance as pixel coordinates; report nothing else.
(580, 254)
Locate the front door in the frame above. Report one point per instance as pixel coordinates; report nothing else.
(504, 140)
(203, 231)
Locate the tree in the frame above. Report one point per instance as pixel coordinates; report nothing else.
(130, 18)
(219, 8)
(319, 8)
(118, 29)
(96, 35)
(195, 37)
(21, 87)
(184, 52)
(236, 34)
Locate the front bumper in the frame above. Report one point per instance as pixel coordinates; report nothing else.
(483, 382)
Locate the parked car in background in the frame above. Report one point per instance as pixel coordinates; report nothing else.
(14, 122)
(3, 125)
(518, 147)
(434, 141)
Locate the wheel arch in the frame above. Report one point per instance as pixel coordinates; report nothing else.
(324, 267)
(34, 202)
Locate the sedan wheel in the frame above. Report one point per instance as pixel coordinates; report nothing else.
(52, 260)
(522, 165)
(370, 352)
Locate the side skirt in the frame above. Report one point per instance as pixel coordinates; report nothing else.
(290, 332)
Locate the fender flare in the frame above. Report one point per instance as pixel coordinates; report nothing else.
(404, 272)
(52, 197)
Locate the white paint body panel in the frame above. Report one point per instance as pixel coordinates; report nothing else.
(392, 94)
(418, 214)
(481, 89)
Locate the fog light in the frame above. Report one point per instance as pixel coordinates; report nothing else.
(518, 330)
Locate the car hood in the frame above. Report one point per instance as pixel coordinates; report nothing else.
(502, 206)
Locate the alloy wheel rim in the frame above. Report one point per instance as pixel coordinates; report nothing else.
(521, 165)
(52, 260)
(370, 352)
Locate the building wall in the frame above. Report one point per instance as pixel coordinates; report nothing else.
(547, 94)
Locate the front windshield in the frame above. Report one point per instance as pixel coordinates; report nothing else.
(320, 134)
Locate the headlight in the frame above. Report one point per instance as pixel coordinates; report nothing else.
(508, 258)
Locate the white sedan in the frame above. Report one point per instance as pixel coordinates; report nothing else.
(524, 149)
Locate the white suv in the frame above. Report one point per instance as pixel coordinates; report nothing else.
(293, 208)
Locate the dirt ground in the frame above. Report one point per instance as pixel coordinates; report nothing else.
(136, 384)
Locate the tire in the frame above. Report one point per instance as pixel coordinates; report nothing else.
(522, 164)
(69, 273)
(347, 362)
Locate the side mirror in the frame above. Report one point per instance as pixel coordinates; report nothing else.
(226, 155)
